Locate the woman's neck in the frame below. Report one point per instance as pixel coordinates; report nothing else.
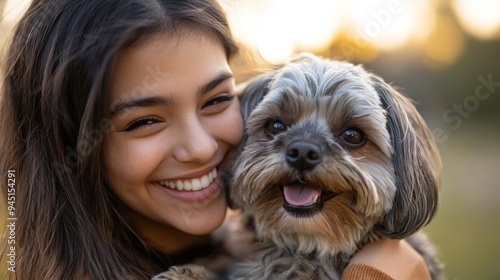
(165, 238)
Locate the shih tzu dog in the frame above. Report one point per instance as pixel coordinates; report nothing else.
(332, 158)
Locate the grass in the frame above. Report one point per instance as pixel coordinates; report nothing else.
(467, 229)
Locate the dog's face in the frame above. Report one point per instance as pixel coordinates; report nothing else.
(332, 152)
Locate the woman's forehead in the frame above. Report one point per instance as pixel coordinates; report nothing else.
(165, 64)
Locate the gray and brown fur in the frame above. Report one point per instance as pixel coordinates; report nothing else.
(386, 185)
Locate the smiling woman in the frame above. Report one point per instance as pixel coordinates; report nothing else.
(157, 72)
(171, 135)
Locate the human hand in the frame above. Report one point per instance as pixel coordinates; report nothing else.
(396, 258)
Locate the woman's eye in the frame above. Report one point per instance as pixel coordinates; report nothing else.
(353, 137)
(216, 100)
(140, 123)
(276, 126)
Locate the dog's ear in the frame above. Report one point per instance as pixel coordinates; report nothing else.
(416, 162)
(254, 92)
(251, 96)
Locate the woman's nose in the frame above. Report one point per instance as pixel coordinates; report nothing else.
(197, 144)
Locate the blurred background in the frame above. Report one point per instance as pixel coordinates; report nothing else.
(445, 54)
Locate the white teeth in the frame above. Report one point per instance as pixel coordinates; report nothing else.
(194, 184)
(187, 186)
(205, 181)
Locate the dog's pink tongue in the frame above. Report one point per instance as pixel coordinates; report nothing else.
(301, 195)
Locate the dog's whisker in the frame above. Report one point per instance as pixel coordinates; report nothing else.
(360, 158)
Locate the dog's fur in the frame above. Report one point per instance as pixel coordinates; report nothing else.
(317, 126)
(336, 129)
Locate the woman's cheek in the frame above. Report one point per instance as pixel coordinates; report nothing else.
(233, 125)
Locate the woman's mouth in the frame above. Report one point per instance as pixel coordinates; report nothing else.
(194, 184)
(199, 190)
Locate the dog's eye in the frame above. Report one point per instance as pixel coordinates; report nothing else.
(276, 126)
(353, 137)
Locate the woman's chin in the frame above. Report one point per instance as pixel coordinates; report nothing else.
(201, 221)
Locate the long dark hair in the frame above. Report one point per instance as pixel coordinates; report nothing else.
(53, 121)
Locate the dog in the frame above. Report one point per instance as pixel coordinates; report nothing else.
(333, 157)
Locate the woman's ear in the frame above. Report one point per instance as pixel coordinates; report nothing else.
(251, 96)
(416, 163)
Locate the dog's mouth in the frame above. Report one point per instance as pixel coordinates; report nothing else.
(304, 199)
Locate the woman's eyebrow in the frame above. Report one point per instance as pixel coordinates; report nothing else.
(122, 106)
(220, 78)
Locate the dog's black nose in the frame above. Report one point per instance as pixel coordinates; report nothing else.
(303, 155)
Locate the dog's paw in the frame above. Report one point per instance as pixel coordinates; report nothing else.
(192, 272)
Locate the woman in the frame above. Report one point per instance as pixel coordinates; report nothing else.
(118, 118)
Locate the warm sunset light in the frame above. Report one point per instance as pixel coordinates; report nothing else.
(444, 44)
(480, 18)
(391, 24)
(278, 28)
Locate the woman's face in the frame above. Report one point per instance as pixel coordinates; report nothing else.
(175, 122)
